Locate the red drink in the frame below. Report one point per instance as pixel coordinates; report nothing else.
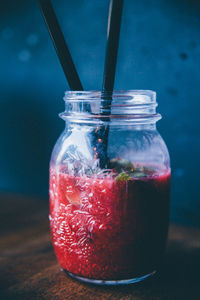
(110, 228)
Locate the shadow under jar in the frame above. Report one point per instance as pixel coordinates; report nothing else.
(109, 188)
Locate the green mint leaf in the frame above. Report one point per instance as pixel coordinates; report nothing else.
(122, 177)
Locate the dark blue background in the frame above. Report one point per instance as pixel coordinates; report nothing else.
(159, 50)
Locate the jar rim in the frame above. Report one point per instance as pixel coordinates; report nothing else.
(130, 105)
(91, 95)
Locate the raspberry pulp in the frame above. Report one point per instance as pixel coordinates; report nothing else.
(109, 229)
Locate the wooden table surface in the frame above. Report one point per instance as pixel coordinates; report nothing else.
(29, 270)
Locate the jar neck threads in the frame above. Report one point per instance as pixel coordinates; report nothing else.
(126, 107)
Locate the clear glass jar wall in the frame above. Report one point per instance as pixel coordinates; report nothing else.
(109, 187)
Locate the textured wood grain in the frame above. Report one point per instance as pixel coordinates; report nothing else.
(29, 269)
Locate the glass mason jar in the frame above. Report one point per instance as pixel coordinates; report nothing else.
(109, 187)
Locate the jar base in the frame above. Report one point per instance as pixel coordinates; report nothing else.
(110, 282)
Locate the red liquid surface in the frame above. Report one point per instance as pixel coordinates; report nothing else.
(107, 229)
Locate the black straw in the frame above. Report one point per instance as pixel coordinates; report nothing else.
(114, 24)
(113, 33)
(60, 45)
